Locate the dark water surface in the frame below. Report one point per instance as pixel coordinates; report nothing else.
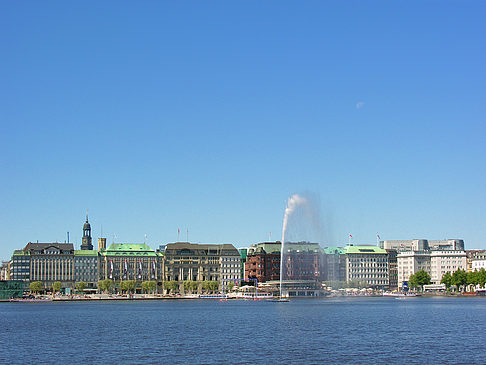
(310, 331)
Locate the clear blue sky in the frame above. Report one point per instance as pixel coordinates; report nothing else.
(207, 115)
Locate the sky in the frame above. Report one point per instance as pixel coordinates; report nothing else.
(207, 116)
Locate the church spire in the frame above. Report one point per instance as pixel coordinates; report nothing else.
(87, 240)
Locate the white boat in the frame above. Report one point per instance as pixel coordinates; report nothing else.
(261, 295)
(399, 294)
(213, 296)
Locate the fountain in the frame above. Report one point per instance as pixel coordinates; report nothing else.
(301, 225)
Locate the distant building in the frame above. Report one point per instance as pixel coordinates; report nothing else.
(303, 261)
(367, 264)
(476, 259)
(50, 262)
(435, 262)
(202, 262)
(86, 267)
(263, 262)
(19, 268)
(130, 261)
(392, 269)
(335, 264)
(423, 245)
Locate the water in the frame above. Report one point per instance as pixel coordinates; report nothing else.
(310, 331)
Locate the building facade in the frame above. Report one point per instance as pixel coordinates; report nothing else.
(201, 262)
(51, 262)
(86, 267)
(435, 262)
(130, 261)
(367, 264)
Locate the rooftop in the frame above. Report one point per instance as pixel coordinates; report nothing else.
(364, 249)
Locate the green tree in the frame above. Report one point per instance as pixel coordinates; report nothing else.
(472, 277)
(482, 277)
(187, 286)
(459, 278)
(171, 286)
(419, 279)
(149, 286)
(213, 286)
(194, 286)
(206, 286)
(231, 285)
(81, 285)
(36, 286)
(128, 285)
(56, 287)
(446, 279)
(105, 285)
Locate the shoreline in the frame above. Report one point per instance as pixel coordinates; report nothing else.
(91, 298)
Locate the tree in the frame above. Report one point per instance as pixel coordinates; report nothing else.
(419, 279)
(171, 286)
(459, 278)
(472, 278)
(482, 277)
(213, 286)
(56, 286)
(80, 285)
(231, 285)
(36, 286)
(105, 285)
(149, 286)
(194, 286)
(206, 286)
(128, 285)
(187, 286)
(447, 279)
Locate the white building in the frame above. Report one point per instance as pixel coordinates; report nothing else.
(367, 264)
(230, 269)
(423, 245)
(435, 262)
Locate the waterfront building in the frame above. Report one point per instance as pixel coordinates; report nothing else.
(263, 262)
(50, 262)
(392, 269)
(303, 261)
(86, 267)
(243, 254)
(435, 262)
(335, 264)
(367, 264)
(475, 260)
(201, 262)
(230, 261)
(130, 261)
(19, 268)
(423, 245)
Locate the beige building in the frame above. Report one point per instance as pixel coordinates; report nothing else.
(435, 262)
(201, 262)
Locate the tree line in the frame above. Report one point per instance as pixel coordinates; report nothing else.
(459, 278)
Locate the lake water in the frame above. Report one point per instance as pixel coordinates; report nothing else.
(308, 331)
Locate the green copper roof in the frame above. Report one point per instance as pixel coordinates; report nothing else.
(364, 249)
(21, 253)
(333, 250)
(129, 249)
(85, 253)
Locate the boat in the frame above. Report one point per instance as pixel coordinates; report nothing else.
(31, 300)
(399, 294)
(254, 296)
(213, 296)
